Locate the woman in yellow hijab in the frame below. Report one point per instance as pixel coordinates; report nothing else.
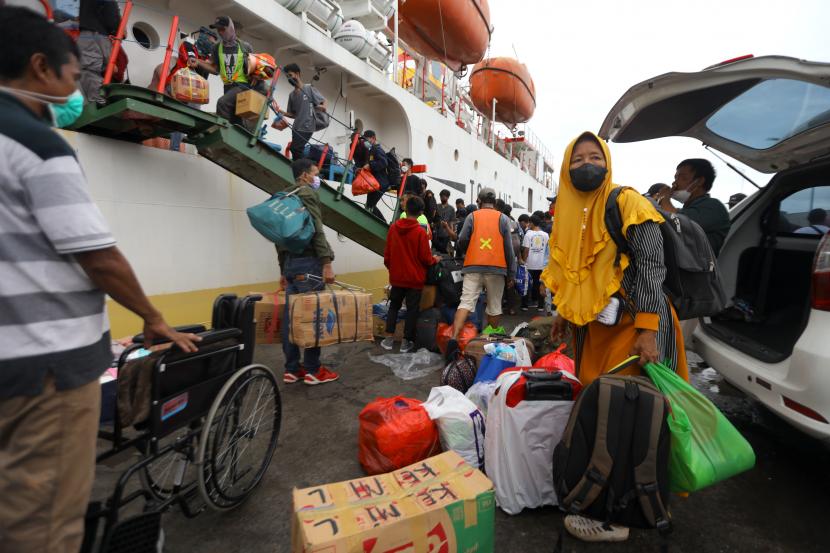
(615, 304)
(613, 301)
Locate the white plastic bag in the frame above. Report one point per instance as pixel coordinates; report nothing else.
(481, 393)
(522, 354)
(519, 447)
(460, 423)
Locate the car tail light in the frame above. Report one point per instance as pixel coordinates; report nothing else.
(821, 276)
(803, 409)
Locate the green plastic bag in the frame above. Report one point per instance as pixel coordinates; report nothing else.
(705, 447)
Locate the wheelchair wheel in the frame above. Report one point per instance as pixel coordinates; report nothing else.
(239, 437)
(167, 474)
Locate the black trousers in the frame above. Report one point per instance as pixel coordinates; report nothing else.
(298, 141)
(396, 298)
(372, 199)
(533, 294)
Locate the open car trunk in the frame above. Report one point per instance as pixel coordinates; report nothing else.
(769, 336)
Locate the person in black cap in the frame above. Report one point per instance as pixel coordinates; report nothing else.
(303, 103)
(376, 163)
(735, 199)
(656, 192)
(229, 60)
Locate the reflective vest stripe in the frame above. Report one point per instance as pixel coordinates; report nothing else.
(238, 69)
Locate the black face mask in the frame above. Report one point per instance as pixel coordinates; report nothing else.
(292, 81)
(588, 177)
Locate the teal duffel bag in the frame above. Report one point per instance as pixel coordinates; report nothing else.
(284, 220)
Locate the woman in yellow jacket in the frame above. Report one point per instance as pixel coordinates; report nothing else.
(615, 305)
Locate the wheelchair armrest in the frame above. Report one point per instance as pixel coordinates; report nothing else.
(213, 336)
(187, 329)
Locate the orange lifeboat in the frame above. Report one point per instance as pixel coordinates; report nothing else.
(509, 82)
(455, 32)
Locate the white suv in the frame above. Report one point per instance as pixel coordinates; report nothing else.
(773, 114)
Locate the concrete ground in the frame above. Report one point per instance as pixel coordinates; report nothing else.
(779, 506)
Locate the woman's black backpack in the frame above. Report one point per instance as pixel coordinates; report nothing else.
(692, 279)
(612, 464)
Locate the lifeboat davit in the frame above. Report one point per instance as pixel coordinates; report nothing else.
(455, 32)
(509, 82)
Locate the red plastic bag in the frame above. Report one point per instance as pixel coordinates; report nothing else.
(444, 335)
(556, 361)
(364, 182)
(395, 432)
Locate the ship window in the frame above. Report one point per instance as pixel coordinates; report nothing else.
(358, 126)
(495, 175)
(530, 200)
(145, 35)
(455, 154)
(475, 165)
(430, 141)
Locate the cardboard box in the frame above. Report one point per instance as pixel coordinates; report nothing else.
(379, 328)
(440, 504)
(249, 104)
(330, 317)
(268, 313)
(428, 296)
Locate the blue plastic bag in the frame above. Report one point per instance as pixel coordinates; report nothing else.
(284, 220)
(491, 367)
(522, 280)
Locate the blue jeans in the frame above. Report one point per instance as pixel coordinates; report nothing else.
(294, 267)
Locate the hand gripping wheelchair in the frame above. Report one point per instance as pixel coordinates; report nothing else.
(205, 426)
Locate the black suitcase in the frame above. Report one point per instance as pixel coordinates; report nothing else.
(427, 329)
(451, 281)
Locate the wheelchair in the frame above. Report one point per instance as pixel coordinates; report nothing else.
(205, 425)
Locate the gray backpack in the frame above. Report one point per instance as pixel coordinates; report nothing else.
(692, 279)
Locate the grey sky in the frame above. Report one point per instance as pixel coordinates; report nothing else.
(584, 55)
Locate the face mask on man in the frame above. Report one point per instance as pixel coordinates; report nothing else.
(315, 182)
(682, 196)
(404, 167)
(64, 110)
(588, 177)
(292, 81)
(367, 144)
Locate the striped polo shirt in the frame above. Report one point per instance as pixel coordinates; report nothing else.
(52, 317)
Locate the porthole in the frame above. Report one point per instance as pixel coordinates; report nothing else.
(146, 35)
(430, 142)
(455, 155)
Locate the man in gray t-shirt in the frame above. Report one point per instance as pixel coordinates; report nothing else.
(302, 103)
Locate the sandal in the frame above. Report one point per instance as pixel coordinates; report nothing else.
(587, 529)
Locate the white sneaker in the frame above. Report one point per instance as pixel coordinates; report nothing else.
(587, 529)
(388, 343)
(407, 346)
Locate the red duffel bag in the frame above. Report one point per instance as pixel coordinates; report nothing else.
(395, 432)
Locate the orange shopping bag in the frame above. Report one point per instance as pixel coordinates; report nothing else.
(364, 182)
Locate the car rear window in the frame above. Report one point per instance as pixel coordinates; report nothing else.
(806, 212)
(772, 111)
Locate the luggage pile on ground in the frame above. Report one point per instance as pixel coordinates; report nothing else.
(613, 452)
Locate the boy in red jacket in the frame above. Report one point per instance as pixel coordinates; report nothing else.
(407, 256)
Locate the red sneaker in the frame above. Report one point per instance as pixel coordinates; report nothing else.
(322, 376)
(291, 378)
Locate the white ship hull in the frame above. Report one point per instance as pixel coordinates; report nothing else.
(181, 219)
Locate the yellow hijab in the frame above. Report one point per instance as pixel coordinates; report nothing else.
(581, 270)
